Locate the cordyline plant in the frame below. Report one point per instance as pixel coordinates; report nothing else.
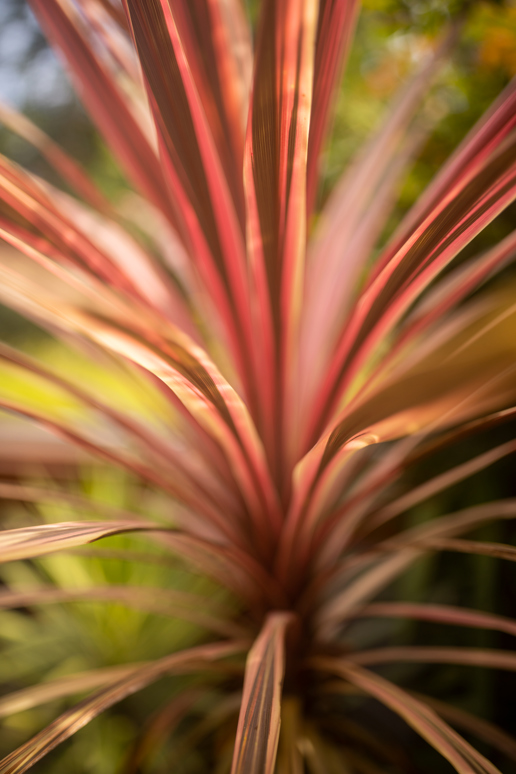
(293, 381)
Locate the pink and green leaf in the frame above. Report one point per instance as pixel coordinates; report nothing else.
(275, 166)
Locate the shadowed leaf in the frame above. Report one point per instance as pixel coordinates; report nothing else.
(446, 614)
(483, 729)
(71, 721)
(462, 756)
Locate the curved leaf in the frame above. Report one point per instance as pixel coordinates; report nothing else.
(65, 165)
(61, 687)
(464, 758)
(107, 105)
(482, 729)
(475, 200)
(496, 550)
(71, 721)
(29, 542)
(439, 483)
(445, 614)
(494, 659)
(157, 601)
(400, 552)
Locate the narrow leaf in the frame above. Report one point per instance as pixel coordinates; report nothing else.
(259, 721)
(156, 474)
(439, 483)
(190, 481)
(493, 659)
(411, 544)
(496, 550)
(464, 758)
(191, 375)
(107, 105)
(334, 34)
(216, 38)
(61, 687)
(193, 170)
(65, 165)
(29, 542)
(357, 512)
(356, 212)
(71, 721)
(486, 135)
(483, 729)
(440, 397)
(275, 184)
(475, 201)
(445, 614)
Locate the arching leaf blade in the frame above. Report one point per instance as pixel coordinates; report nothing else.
(74, 719)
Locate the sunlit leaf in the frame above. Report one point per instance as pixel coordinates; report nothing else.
(104, 100)
(28, 542)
